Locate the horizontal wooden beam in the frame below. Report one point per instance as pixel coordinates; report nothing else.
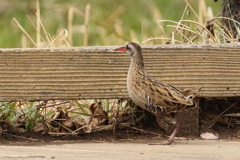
(100, 72)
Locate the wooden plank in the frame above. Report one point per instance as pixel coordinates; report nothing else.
(100, 72)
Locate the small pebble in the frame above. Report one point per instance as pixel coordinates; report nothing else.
(208, 135)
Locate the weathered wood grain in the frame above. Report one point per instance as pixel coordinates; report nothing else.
(100, 72)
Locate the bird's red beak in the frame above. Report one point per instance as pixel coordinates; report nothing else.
(120, 49)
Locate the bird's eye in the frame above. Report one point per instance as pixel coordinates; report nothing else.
(128, 48)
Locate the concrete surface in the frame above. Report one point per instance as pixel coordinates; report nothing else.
(181, 150)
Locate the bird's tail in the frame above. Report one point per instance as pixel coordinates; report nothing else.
(190, 93)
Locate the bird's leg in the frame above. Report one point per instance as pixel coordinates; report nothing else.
(170, 139)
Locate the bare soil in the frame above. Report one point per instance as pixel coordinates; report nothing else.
(34, 138)
(133, 135)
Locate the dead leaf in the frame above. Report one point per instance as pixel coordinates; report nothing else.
(38, 127)
(99, 116)
(18, 130)
(63, 119)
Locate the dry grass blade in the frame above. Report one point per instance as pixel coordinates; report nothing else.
(25, 33)
(161, 27)
(212, 121)
(192, 9)
(141, 130)
(24, 41)
(76, 131)
(64, 34)
(232, 115)
(38, 29)
(203, 27)
(35, 27)
(182, 32)
(100, 24)
(61, 134)
(177, 29)
(21, 137)
(172, 38)
(161, 21)
(119, 31)
(86, 21)
(201, 11)
(189, 31)
(225, 29)
(46, 33)
(160, 38)
(184, 12)
(70, 23)
(213, 31)
(182, 28)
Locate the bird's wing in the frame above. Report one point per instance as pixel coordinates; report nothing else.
(191, 93)
(164, 95)
(173, 95)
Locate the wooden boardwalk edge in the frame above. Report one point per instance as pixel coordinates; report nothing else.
(100, 73)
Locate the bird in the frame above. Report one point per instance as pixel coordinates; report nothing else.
(159, 98)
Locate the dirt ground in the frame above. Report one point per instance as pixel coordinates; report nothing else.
(125, 149)
(129, 134)
(130, 143)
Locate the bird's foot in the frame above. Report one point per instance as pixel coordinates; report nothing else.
(170, 139)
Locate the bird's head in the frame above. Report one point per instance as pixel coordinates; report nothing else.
(132, 49)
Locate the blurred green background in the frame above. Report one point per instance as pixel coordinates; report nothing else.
(111, 22)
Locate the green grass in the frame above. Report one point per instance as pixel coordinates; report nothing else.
(132, 20)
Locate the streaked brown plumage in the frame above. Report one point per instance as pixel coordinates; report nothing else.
(154, 95)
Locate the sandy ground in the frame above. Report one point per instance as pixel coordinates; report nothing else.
(181, 150)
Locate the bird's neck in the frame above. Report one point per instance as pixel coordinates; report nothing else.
(137, 63)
